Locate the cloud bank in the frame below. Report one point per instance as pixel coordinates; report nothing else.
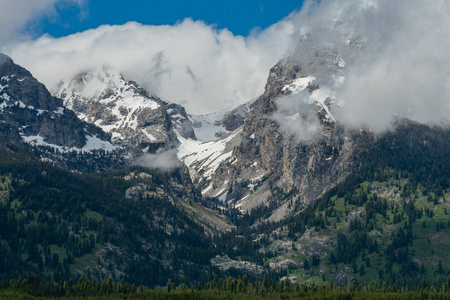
(189, 63)
(381, 58)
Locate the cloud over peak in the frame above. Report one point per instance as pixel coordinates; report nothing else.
(189, 63)
(394, 56)
(382, 59)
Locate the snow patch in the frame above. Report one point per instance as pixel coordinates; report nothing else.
(110, 89)
(148, 135)
(5, 97)
(7, 78)
(207, 189)
(208, 155)
(92, 143)
(298, 84)
(59, 111)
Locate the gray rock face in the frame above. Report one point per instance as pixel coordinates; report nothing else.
(235, 118)
(225, 263)
(270, 166)
(28, 110)
(180, 120)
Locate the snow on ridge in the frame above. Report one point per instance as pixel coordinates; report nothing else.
(206, 156)
(92, 143)
(109, 89)
(299, 84)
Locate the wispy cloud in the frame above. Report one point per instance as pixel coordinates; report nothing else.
(165, 160)
(18, 17)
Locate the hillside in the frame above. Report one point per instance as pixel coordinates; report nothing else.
(125, 224)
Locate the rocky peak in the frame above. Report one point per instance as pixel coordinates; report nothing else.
(281, 75)
(28, 112)
(269, 163)
(134, 118)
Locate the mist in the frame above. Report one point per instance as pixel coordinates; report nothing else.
(165, 160)
(297, 118)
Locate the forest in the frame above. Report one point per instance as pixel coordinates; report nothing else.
(231, 288)
(58, 227)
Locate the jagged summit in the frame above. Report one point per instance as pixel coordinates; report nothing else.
(289, 140)
(134, 118)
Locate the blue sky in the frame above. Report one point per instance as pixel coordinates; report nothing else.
(239, 16)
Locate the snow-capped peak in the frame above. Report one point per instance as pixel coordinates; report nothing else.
(120, 107)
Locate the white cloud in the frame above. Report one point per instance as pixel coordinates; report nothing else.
(166, 160)
(16, 14)
(396, 54)
(189, 63)
(298, 120)
(405, 69)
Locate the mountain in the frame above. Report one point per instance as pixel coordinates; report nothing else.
(291, 149)
(314, 200)
(31, 117)
(286, 191)
(132, 117)
(31, 114)
(260, 158)
(59, 224)
(387, 221)
(69, 209)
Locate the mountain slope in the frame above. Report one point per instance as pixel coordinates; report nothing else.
(216, 125)
(125, 224)
(386, 221)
